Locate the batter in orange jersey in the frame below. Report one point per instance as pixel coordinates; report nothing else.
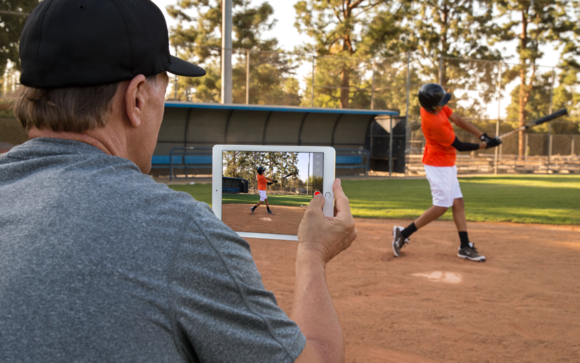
(439, 161)
(262, 186)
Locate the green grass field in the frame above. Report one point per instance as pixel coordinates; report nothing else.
(518, 198)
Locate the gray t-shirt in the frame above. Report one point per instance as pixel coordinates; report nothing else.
(98, 263)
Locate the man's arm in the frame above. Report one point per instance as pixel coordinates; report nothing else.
(320, 239)
(466, 125)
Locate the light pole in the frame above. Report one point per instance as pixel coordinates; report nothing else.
(226, 51)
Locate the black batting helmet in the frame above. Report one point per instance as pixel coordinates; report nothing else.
(260, 170)
(432, 95)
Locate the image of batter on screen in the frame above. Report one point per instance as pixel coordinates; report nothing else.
(439, 160)
(263, 182)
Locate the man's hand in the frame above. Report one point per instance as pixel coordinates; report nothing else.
(493, 142)
(320, 238)
(325, 236)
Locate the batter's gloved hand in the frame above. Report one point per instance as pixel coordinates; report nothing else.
(274, 181)
(485, 138)
(493, 142)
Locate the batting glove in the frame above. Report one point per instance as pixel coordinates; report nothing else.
(493, 142)
(485, 138)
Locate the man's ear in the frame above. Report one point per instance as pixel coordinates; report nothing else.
(135, 98)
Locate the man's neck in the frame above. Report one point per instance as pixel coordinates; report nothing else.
(67, 135)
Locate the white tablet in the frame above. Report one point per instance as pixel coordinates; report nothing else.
(262, 191)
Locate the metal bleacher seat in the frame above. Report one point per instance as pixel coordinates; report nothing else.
(183, 161)
(358, 161)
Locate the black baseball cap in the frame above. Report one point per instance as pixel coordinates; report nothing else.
(77, 43)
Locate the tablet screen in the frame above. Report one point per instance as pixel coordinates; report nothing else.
(268, 192)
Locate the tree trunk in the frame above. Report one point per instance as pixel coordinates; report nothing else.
(345, 90)
(522, 111)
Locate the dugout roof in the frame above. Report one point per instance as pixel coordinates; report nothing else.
(187, 124)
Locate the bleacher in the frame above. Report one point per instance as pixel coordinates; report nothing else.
(353, 159)
(507, 164)
(183, 162)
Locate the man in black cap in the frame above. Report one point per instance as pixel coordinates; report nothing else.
(439, 160)
(98, 263)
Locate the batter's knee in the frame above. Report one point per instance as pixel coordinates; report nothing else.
(441, 210)
(458, 202)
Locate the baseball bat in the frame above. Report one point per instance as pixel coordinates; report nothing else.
(284, 177)
(537, 122)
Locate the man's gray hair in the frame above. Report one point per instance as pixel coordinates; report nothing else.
(75, 109)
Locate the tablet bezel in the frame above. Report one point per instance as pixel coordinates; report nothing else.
(328, 179)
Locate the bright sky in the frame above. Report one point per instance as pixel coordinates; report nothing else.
(303, 166)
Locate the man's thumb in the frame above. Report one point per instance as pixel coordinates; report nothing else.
(317, 202)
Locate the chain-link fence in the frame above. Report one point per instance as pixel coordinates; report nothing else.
(485, 92)
(488, 93)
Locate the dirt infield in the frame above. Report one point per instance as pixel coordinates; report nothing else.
(284, 221)
(522, 305)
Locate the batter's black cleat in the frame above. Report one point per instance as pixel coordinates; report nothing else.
(252, 210)
(470, 253)
(398, 240)
(270, 212)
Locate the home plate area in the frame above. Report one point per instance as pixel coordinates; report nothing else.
(521, 305)
(285, 219)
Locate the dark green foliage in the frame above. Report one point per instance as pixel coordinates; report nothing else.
(348, 30)
(11, 26)
(533, 23)
(198, 36)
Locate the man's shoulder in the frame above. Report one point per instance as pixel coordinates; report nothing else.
(146, 191)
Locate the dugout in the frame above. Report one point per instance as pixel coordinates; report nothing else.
(234, 185)
(203, 125)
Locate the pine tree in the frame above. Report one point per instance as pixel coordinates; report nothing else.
(12, 18)
(442, 33)
(533, 23)
(198, 38)
(338, 29)
(11, 26)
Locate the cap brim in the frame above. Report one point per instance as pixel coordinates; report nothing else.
(182, 68)
(445, 99)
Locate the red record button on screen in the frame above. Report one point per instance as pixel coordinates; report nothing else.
(316, 193)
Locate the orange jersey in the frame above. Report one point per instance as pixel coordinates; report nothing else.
(439, 136)
(262, 182)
